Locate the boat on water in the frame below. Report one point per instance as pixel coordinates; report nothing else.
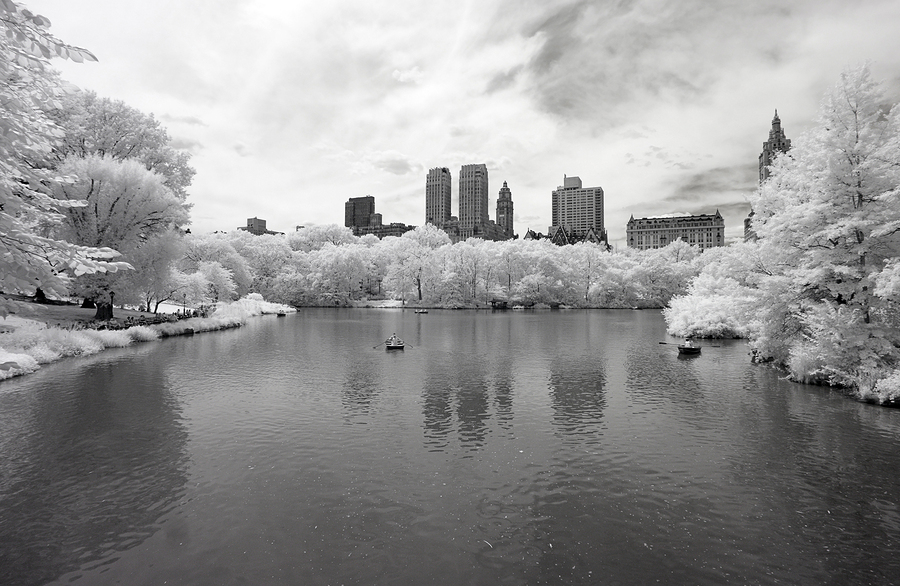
(394, 343)
(421, 311)
(688, 348)
(281, 314)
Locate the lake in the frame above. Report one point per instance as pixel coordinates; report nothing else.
(519, 447)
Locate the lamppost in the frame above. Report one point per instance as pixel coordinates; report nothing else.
(184, 304)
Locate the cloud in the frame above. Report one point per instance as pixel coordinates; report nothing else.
(724, 183)
(503, 80)
(186, 144)
(190, 120)
(393, 162)
(409, 75)
(375, 93)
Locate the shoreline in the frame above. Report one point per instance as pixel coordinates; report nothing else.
(44, 337)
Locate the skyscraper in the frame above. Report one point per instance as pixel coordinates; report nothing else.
(473, 199)
(577, 208)
(358, 210)
(505, 210)
(437, 196)
(776, 145)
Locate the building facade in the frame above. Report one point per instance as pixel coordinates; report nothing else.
(577, 208)
(358, 211)
(473, 199)
(257, 226)
(505, 210)
(382, 230)
(704, 231)
(777, 144)
(438, 185)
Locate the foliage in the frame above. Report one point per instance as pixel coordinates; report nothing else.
(128, 209)
(217, 248)
(111, 128)
(127, 203)
(328, 266)
(817, 293)
(28, 87)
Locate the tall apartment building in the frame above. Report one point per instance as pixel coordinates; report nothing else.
(360, 216)
(778, 143)
(704, 231)
(505, 210)
(577, 208)
(437, 196)
(358, 211)
(473, 199)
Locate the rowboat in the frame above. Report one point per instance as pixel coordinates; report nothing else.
(394, 343)
(688, 348)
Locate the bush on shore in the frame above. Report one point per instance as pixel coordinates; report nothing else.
(33, 343)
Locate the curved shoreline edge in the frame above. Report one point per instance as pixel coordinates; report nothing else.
(35, 344)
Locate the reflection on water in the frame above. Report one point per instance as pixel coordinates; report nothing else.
(498, 448)
(577, 395)
(93, 457)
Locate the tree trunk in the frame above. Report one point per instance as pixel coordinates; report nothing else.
(104, 311)
(39, 296)
(88, 303)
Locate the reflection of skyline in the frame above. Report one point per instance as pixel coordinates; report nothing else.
(95, 463)
(456, 396)
(577, 393)
(360, 388)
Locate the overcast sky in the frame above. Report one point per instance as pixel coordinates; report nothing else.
(289, 108)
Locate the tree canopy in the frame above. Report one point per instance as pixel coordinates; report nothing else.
(29, 260)
(816, 292)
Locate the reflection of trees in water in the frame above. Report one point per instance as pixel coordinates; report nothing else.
(458, 385)
(577, 393)
(828, 474)
(361, 385)
(98, 458)
(503, 391)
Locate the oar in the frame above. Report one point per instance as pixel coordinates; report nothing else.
(376, 346)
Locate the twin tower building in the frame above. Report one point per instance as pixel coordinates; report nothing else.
(473, 219)
(577, 211)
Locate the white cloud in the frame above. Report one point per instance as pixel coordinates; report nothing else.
(299, 106)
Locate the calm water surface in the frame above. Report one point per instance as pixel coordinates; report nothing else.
(499, 448)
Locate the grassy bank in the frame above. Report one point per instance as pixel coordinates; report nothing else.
(39, 334)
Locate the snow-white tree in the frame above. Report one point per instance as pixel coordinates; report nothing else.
(100, 126)
(834, 203)
(29, 261)
(201, 248)
(127, 205)
(266, 256)
(314, 237)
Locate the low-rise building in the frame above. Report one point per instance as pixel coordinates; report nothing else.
(703, 230)
(257, 226)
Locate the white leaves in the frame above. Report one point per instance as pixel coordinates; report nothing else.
(27, 86)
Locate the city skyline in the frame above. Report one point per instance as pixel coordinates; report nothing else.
(664, 106)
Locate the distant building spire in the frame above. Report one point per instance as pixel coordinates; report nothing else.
(777, 144)
(505, 210)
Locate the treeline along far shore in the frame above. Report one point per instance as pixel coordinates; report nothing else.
(94, 204)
